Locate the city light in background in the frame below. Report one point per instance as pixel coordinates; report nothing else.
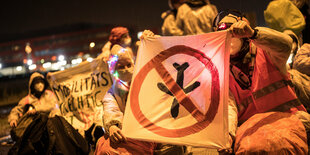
(29, 62)
(51, 53)
(61, 58)
(139, 34)
(47, 65)
(32, 66)
(28, 49)
(92, 45)
(89, 59)
(19, 68)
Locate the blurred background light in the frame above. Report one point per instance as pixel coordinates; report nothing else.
(32, 67)
(90, 59)
(29, 62)
(47, 65)
(19, 68)
(92, 45)
(61, 58)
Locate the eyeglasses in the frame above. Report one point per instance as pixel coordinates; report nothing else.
(223, 26)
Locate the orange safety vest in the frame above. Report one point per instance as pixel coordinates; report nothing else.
(270, 91)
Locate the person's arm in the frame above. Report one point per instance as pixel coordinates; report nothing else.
(16, 113)
(112, 113)
(113, 118)
(302, 59)
(276, 44)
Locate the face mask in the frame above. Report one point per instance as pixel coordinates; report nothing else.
(39, 87)
(127, 41)
(125, 74)
(235, 46)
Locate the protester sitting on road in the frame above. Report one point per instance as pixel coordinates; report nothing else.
(121, 65)
(39, 99)
(258, 59)
(258, 73)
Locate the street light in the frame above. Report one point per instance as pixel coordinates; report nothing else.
(29, 62)
(33, 66)
(61, 58)
(47, 65)
(92, 45)
(19, 68)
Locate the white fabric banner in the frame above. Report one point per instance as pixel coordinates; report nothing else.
(80, 90)
(179, 92)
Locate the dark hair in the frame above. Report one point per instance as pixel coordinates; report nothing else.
(196, 3)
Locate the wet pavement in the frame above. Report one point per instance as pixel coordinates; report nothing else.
(5, 147)
(5, 140)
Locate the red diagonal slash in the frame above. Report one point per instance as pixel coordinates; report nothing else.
(178, 92)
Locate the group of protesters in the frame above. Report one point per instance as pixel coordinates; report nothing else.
(265, 93)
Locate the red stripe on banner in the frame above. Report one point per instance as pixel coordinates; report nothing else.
(178, 92)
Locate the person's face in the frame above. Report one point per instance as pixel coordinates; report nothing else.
(39, 86)
(124, 68)
(126, 40)
(236, 43)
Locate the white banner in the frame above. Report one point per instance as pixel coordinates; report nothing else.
(179, 92)
(80, 90)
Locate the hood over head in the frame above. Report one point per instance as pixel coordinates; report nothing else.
(36, 78)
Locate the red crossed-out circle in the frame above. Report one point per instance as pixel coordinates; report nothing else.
(156, 63)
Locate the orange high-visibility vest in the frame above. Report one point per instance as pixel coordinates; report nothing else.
(270, 91)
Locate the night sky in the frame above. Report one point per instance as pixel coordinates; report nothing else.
(27, 16)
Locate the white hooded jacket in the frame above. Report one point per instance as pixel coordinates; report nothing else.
(196, 20)
(46, 103)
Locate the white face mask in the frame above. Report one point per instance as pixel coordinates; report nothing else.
(39, 87)
(235, 46)
(125, 74)
(127, 41)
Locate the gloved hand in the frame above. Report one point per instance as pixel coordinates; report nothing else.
(116, 135)
(13, 123)
(148, 33)
(241, 29)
